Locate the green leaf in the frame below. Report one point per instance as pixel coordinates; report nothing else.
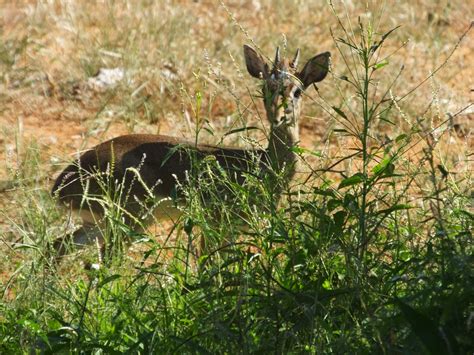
(300, 150)
(405, 255)
(393, 208)
(377, 45)
(353, 180)
(108, 280)
(384, 37)
(208, 130)
(384, 168)
(401, 137)
(321, 192)
(384, 114)
(380, 65)
(297, 149)
(342, 40)
(384, 118)
(374, 47)
(464, 213)
(426, 330)
(380, 167)
(349, 201)
(198, 100)
(333, 204)
(241, 129)
(339, 218)
(25, 246)
(327, 285)
(339, 112)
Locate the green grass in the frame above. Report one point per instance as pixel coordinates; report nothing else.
(370, 253)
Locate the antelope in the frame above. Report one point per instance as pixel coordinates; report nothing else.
(153, 165)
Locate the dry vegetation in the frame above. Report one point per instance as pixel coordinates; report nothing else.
(172, 50)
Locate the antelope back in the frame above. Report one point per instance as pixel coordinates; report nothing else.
(142, 167)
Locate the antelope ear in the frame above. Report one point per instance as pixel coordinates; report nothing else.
(315, 70)
(256, 66)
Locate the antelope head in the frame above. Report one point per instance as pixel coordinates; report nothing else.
(284, 84)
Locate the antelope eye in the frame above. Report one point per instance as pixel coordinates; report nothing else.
(297, 93)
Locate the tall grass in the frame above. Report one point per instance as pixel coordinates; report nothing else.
(370, 253)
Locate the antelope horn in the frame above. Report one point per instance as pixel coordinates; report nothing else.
(277, 58)
(294, 62)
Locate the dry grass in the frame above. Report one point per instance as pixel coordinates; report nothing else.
(171, 50)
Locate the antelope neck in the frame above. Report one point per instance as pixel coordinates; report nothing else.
(281, 141)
